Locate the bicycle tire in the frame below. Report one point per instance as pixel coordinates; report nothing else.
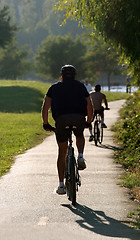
(100, 137)
(72, 183)
(95, 132)
(67, 178)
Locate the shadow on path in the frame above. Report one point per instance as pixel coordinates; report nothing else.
(98, 222)
(107, 146)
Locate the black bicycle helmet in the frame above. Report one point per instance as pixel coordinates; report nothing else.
(68, 71)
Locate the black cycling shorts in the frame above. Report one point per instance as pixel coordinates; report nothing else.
(77, 120)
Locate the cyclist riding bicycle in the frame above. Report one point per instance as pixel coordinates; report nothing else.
(97, 98)
(70, 103)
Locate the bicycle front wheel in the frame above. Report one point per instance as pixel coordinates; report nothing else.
(72, 186)
(101, 133)
(95, 132)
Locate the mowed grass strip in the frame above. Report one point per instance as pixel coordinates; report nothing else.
(20, 118)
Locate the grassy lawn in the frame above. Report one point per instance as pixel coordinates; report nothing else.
(20, 118)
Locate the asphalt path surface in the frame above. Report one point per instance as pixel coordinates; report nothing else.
(30, 208)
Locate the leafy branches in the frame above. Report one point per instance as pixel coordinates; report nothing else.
(117, 21)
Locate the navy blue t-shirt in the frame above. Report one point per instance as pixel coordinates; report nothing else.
(68, 97)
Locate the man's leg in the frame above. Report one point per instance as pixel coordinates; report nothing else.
(61, 162)
(90, 130)
(102, 118)
(80, 143)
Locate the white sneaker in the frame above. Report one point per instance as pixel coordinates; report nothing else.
(61, 190)
(81, 163)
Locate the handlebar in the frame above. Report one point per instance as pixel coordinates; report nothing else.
(48, 127)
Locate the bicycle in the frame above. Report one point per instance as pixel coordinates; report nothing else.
(72, 177)
(98, 129)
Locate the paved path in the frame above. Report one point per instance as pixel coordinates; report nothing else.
(30, 209)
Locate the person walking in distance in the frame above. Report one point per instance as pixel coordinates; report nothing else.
(70, 103)
(97, 98)
(88, 86)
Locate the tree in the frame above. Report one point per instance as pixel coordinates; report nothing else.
(37, 21)
(13, 63)
(117, 21)
(101, 58)
(58, 51)
(6, 29)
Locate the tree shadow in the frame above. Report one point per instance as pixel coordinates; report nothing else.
(98, 222)
(16, 99)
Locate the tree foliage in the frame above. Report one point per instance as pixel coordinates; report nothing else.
(6, 29)
(117, 21)
(37, 21)
(58, 51)
(91, 58)
(101, 58)
(13, 62)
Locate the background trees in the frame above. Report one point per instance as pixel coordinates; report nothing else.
(6, 29)
(58, 51)
(37, 21)
(101, 58)
(13, 61)
(117, 21)
(91, 58)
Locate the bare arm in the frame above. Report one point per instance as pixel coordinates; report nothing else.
(106, 103)
(89, 110)
(45, 109)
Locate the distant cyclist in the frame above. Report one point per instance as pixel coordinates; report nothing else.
(70, 103)
(97, 99)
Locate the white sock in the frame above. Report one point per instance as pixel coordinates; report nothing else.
(61, 184)
(80, 155)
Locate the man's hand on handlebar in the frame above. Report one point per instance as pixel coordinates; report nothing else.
(48, 127)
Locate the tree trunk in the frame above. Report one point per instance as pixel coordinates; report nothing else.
(108, 81)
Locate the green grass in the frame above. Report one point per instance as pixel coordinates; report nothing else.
(114, 96)
(20, 117)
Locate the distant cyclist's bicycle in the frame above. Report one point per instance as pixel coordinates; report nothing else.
(98, 129)
(73, 180)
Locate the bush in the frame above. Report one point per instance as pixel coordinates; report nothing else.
(128, 130)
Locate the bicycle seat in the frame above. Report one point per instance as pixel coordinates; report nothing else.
(71, 127)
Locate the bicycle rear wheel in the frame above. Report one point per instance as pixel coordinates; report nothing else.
(72, 183)
(95, 132)
(67, 176)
